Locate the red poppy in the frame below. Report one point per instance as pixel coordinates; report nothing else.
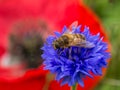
(56, 13)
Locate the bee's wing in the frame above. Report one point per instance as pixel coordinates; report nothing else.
(73, 25)
(84, 43)
(89, 44)
(67, 32)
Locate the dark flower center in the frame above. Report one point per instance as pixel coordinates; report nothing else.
(26, 41)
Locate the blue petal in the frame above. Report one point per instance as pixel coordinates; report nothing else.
(99, 48)
(86, 32)
(99, 71)
(86, 73)
(57, 34)
(80, 81)
(64, 29)
(94, 71)
(100, 41)
(50, 39)
(65, 80)
(76, 30)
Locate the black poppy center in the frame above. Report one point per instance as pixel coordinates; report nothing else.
(27, 49)
(26, 41)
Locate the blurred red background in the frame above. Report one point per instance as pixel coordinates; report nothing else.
(56, 14)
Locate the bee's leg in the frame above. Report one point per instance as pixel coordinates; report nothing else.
(70, 52)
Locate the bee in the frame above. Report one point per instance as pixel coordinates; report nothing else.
(69, 39)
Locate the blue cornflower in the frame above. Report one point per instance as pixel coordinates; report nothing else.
(71, 68)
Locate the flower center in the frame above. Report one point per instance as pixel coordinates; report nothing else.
(26, 41)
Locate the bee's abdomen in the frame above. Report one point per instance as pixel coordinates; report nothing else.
(79, 36)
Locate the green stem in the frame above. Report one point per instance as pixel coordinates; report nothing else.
(74, 87)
